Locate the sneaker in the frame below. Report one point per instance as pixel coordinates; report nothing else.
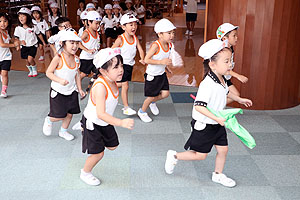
(144, 116)
(66, 135)
(30, 71)
(154, 109)
(171, 161)
(30, 74)
(128, 111)
(34, 71)
(3, 95)
(187, 32)
(47, 127)
(41, 58)
(191, 33)
(223, 179)
(77, 126)
(89, 178)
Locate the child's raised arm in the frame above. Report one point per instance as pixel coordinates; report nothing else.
(56, 61)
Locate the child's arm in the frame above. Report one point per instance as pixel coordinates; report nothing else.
(141, 52)
(117, 43)
(6, 45)
(84, 37)
(99, 95)
(78, 84)
(203, 110)
(244, 101)
(148, 58)
(240, 77)
(56, 61)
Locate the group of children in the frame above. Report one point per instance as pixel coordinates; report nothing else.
(112, 68)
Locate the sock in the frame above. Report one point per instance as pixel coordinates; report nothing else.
(4, 88)
(141, 111)
(84, 173)
(125, 107)
(62, 129)
(49, 121)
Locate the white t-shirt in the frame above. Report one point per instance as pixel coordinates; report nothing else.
(211, 94)
(5, 53)
(52, 19)
(191, 6)
(27, 34)
(79, 12)
(109, 23)
(41, 25)
(54, 39)
(140, 11)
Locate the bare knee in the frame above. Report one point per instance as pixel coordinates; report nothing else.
(223, 151)
(112, 148)
(97, 156)
(165, 94)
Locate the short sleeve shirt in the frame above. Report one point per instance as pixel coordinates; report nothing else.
(27, 34)
(191, 6)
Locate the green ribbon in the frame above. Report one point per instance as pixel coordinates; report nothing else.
(232, 124)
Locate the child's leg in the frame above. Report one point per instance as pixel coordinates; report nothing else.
(63, 132)
(41, 47)
(124, 93)
(163, 94)
(108, 42)
(190, 155)
(192, 25)
(233, 90)
(91, 161)
(147, 102)
(4, 74)
(31, 61)
(220, 158)
(82, 75)
(66, 121)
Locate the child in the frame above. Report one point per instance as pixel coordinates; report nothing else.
(90, 7)
(64, 73)
(116, 12)
(228, 32)
(83, 20)
(43, 27)
(128, 43)
(108, 25)
(130, 9)
(5, 53)
(81, 4)
(191, 16)
(157, 58)
(98, 8)
(26, 33)
(140, 10)
(91, 40)
(54, 15)
(97, 120)
(207, 129)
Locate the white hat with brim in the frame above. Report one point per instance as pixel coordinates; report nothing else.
(36, 8)
(211, 47)
(95, 1)
(68, 34)
(224, 29)
(90, 5)
(93, 15)
(127, 18)
(108, 7)
(163, 25)
(105, 55)
(116, 6)
(83, 15)
(54, 5)
(24, 10)
(128, 1)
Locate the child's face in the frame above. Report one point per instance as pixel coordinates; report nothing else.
(91, 9)
(222, 65)
(130, 28)
(94, 25)
(115, 2)
(114, 72)
(54, 10)
(108, 11)
(128, 5)
(22, 18)
(232, 38)
(3, 23)
(81, 5)
(64, 25)
(136, 1)
(71, 47)
(116, 10)
(36, 15)
(167, 36)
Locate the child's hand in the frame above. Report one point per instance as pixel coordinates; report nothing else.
(142, 61)
(245, 102)
(242, 78)
(64, 82)
(127, 123)
(166, 61)
(169, 70)
(23, 42)
(82, 93)
(221, 121)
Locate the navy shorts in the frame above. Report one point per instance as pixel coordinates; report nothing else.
(127, 73)
(154, 87)
(191, 17)
(5, 65)
(28, 51)
(87, 66)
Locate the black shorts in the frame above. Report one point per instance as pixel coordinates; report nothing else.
(202, 141)
(159, 83)
(44, 37)
(54, 30)
(229, 83)
(87, 66)
(5, 65)
(127, 73)
(95, 141)
(28, 51)
(191, 17)
(61, 105)
(111, 32)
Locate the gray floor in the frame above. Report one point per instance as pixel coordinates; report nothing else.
(34, 166)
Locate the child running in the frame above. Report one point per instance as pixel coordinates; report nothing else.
(207, 129)
(26, 33)
(91, 40)
(228, 32)
(157, 58)
(43, 27)
(97, 120)
(54, 14)
(128, 43)
(64, 73)
(5, 53)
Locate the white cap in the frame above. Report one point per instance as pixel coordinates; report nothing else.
(93, 15)
(107, 6)
(24, 10)
(163, 25)
(36, 8)
(53, 5)
(90, 5)
(95, 1)
(211, 47)
(83, 15)
(105, 55)
(117, 6)
(224, 29)
(51, 1)
(128, 1)
(127, 18)
(68, 34)
(115, 0)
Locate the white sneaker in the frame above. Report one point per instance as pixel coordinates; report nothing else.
(171, 161)
(30, 71)
(47, 127)
(41, 58)
(187, 32)
(128, 111)
(154, 109)
(89, 178)
(191, 33)
(223, 179)
(34, 71)
(3, 95)
(77, 126)
(66, 135)
(144, 116)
